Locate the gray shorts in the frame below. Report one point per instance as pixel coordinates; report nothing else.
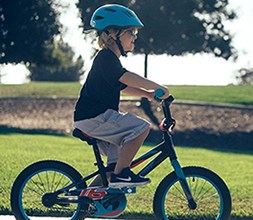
(113, 129)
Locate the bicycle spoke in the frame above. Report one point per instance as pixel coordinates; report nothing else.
(39, 184)
(205, 193)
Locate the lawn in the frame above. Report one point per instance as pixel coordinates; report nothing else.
(19, 150)
(221, 94)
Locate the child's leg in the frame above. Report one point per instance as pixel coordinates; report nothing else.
(129, 150)
(111, 151)
(97, 181)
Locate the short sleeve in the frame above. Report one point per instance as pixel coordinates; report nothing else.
(122, 86)
(112, 68)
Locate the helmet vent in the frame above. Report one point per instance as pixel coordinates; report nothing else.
(127, 13)
(110, 9)
(99, 17)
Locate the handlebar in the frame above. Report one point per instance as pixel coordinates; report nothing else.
(158, 94)
(166, 106)
(168, 123)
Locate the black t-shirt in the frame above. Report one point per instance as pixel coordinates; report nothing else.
(101, 90)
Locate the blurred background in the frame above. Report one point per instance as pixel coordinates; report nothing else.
(189, 42)
(46, 48)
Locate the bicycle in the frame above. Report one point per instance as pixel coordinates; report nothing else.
(54, 188)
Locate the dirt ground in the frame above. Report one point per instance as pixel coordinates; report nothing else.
(198, 125)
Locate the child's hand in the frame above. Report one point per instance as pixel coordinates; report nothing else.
(161, 93)
(166, 92)
(151, 95)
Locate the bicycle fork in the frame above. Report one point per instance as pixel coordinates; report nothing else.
(182, 180)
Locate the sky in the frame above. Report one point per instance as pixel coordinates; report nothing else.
(199, 69)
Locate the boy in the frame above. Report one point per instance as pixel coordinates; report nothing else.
(97, 109)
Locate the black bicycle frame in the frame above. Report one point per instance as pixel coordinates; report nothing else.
(164, 150)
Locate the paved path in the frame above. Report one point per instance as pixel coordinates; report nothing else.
(9, 217)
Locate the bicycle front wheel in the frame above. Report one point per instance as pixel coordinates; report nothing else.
(37, 180)
(208, 190)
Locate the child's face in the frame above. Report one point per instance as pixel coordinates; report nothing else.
(128, 38)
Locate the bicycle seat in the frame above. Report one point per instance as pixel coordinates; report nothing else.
(83, 136)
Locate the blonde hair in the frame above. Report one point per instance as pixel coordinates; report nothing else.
(105, 39)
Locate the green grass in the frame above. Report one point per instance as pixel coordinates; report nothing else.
(241, 94)
(220, 94)
(41, 89)
(19, 150)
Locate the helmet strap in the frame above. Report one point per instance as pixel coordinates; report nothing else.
(118, 42)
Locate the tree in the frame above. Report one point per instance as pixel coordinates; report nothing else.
(26, 28)
(245, 76)
(176, 27)
(59, 66)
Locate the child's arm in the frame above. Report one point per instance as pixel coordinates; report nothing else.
(139, 92)
(141, 85)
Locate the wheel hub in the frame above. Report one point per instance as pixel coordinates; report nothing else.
(49, 199)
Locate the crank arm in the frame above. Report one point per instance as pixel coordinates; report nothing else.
(50, 199)
(73, 199)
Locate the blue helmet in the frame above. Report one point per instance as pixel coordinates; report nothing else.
(113, 15)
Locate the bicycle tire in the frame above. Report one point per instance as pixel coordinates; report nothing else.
(170, 203)
(38, 179)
